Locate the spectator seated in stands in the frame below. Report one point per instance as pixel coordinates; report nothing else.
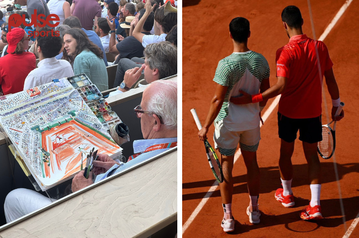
(172, 36)
(158, 114)
(104, 8)
(74, 22)
(49, 68)
(165, 19)
(39, 5)
(61, 8)
(128, 10)
(102, 29)
(130, 47)
(86, 10)
(4, 30)
(62, 29)
(17, 64)
(160, 62)
(1, 18)
(112, 13)
(86, 57)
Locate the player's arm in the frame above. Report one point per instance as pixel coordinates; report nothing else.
(334, 92)
(264, 86)
(215, 107)
(273, 91)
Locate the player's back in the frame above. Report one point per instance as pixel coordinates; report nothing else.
(241, 71)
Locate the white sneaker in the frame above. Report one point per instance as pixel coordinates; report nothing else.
(228, 225)
(254, 216)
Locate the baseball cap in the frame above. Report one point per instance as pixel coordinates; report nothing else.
(13, 38)
(109, 1)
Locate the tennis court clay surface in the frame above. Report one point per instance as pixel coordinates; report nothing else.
(206, 41)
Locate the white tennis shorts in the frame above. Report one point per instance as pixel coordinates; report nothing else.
(226, 141)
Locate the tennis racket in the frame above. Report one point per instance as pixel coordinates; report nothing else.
(214, 163)
(326, 147)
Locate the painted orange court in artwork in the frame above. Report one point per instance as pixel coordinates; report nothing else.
(67, 143)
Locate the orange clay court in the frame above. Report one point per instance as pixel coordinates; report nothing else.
(206, 41)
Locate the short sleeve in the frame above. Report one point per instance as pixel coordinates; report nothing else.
(327, 62)
(223, 73)
(283, 63)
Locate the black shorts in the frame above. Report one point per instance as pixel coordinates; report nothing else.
(310, 129)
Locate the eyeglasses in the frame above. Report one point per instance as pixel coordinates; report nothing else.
(139, 112)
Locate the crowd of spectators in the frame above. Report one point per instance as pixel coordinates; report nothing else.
(89, 31)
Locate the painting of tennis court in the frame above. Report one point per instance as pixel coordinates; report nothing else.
(65, 144)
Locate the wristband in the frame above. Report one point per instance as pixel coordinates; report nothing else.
(336, 102)
(112, 31)
(257, 98)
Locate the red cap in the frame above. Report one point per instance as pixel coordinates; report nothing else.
(13, 38)
(172, 2)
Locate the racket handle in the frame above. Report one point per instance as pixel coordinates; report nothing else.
(196, 119)
(339, 109)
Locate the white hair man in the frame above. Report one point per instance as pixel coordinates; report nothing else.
(158, 114)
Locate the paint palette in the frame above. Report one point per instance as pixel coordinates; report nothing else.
(94, 99)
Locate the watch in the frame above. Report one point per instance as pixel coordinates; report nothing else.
(123, 86)
(112, 31)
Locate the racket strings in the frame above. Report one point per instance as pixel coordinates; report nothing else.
(326, 145)
(216, 167)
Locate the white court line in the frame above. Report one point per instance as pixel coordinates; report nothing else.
(265, 117)
(352, 227)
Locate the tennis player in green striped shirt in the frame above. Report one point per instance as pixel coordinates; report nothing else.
(248, 71)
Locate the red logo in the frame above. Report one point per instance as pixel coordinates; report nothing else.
(52, 20)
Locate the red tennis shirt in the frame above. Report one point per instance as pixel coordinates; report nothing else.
(13, 70)
(298, 62)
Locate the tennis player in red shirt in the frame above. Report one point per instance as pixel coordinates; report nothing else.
(301, 65)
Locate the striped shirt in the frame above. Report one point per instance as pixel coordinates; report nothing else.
(245, 71)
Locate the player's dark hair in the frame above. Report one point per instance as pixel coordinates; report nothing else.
(292, 16)
(239, 28)
(49, 43)
(149, 21)
(103, 25)
(113, 8)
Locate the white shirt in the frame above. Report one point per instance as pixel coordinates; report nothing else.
(56, 7)
(149, 39)
(47, 70)
(105, 40)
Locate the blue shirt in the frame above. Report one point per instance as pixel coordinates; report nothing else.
(96, 40)
(139, 146)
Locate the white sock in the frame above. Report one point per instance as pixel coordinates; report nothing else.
(253, 202)
(287, 187)
(315, 190)
(227, 209)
